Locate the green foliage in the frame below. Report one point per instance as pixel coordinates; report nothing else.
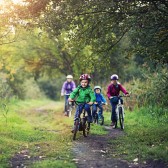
(42, 132)
(5, 95)
(51, 86)
(53, 164)
(145, 138)
(154, 88)
(32, 90)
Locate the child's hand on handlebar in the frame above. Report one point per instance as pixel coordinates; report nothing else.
(70, 100)
(90, 103)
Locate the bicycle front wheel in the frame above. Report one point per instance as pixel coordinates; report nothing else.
(76, 126)
(96, 119)
(86, 127)
(101, 119)
(121, 117)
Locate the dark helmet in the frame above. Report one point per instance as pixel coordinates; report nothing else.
(114, 77)
(85, 77)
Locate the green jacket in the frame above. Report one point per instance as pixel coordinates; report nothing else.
(83, 95)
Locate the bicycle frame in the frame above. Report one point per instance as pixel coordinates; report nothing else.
(81, 123)
(119, 112)
(68, 106)
(99, 119)
(117, 108)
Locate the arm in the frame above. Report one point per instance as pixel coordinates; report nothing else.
(92, 97)
(63, 89)
(123, 90)
(108, 92)
(103, 99)
(74, 93)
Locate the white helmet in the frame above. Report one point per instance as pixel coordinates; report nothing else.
(97, 87)
(114, 77)
(69, 77)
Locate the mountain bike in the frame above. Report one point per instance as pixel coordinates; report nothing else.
(68, 107)
(120, 112)
(99, 118)
(81, 123)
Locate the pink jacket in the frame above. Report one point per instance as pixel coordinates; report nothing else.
(114, 90)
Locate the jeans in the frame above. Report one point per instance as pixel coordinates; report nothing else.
(94, 109)
(66, 103)
(113, 113)
(79, 109)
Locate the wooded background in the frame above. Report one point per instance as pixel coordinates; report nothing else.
(43, 41)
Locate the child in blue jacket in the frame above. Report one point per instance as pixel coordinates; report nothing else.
(100, 100)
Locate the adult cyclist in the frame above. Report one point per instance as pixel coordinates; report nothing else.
(113, 91)
(67, 87)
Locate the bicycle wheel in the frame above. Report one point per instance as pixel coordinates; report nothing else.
(76, 126)
(121, 118)
(101, 120)
(96, 119)
(69, 111)
(86, 127)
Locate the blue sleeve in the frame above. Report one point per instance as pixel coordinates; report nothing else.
(103, 99)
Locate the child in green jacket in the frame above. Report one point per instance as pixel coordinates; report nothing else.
(83, 94)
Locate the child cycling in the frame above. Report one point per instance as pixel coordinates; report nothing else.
(67, 87)
(83, 94)
(100, 100)
(114, 90)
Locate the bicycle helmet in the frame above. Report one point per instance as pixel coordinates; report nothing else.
(114, 77)
(85, 77)
(69, 77)
(97, 87)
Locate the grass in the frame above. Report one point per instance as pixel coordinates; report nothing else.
(38, 126)
(146, 136)
(43, 132)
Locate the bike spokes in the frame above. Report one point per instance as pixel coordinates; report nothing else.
(121, 118)
(86, 127)
(76, 128)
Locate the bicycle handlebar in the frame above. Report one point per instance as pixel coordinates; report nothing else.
(119, 96)
(82, 103)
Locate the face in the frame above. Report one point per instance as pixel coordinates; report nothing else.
(97, 90)
(69, 79)
(84, 83)
(114, 82)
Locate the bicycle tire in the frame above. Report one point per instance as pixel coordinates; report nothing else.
(96, 119)
(121, 117)
(101, 120)
(85, 126)
(69, 110)
(76, 126)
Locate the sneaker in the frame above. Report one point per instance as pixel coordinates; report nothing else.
(65, 114)
(72, 130)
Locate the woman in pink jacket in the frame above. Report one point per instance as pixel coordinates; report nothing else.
(113, 91)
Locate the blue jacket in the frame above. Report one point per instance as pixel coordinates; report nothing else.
(100, 98)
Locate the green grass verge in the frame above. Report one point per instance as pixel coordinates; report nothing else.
(146, 136)
(44, 132)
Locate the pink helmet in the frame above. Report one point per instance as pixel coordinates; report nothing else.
(85, 77)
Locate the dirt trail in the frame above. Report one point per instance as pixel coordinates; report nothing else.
(96, 152)
(93, 151)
